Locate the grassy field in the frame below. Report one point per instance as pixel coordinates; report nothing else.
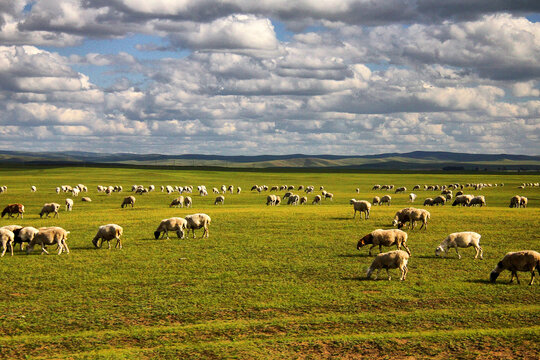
(270, 282)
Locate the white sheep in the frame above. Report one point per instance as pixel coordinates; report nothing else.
(220, 199)
(179, 201)
(24, 235)
(526, 260)
(49, 208)
(376, 200)
(7, 238)
(69, 204)
(462, 200)
(107, 233)
(362, 206)
(412, 197)
(479, 200)
(303, 200)
(317, 200)
(188, 202)
(33, 188)
(197, 221)
(390, 260)
(414, 215)
(172, 224)
(86, 199)
(463, 240)
(49, 236)
(271, 200)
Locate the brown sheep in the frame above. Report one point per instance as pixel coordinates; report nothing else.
(526, 260)
(381, 237)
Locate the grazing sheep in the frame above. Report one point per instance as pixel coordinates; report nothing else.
(75, 191)
(416, 187)
(58, 189)
(523, 202)
(69, 204)
(439, 200)
(386, 199)
(415, 215)
(381, 237)
(402, 216)
(329, 196)
(303, 200)
(412, 197)
(197, 221)
(24, 235)
(428, 202)
(376, 200)
(361, 206)
(274, 188)
(390, 260)
(270, 200)
(460, 239)
(376, 187)
(179, 201)
(478, 200)
(293, 200)
(358, 190)
(238, 190)
(7, 239)
(173, 224)
(526, 260)
(49, 236)
(33, 188)
(49, 208)
(317, 200)
(401, 189)
(86, 199)
(107, 233)
(128, 200)
(188, 202)
(13, 209)
(515, 201)
(462, 200)
(220, 200)
(278, 200)
(215, 190)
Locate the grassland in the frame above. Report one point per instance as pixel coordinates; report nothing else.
(270, 282)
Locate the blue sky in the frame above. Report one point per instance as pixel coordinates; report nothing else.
(233, 77)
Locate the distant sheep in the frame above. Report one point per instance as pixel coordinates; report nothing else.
(271, 200)
(86, 199)
(329, 196)
(197, 221)
(376, 200)
(401, 189)
(526, 260)
(33, 188)
(49, 208)
(523, 202)
(316, 200)
(478, 201)
(390, 260)
(439, 200)
(13, 209)
(382, 238)
(303, 200)
(49, 236)
(220, 200)
(128, 200)
(463, 240)
(386, 199)
(428, 202)
(188, 202)
(179, 201)
(107, 233)
(515, 201)
(69, 204)
(362, 206)
(462, 200)
(412, 197)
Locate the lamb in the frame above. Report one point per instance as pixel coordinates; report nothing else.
(197, 221)
(7, 239)
(361, 206)
(463, 240)
(317, 200)
(49, 208)
(187, 201)
(390, 260)
(376, 200)
(86, 199)
(128, 200)
(462, 200)
(381, 237)
(179, 201)
(24, 234)
(107, 233)
(69, 204)
(412, 197)
(14, 209)
(515, 201)
(526, 260)
(478, 200)
(49, 236)
(219, 200)
(386, 199)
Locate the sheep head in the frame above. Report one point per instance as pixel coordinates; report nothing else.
(368, 239)
(156, 234)
(439, 250)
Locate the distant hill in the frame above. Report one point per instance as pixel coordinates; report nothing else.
(417, 160)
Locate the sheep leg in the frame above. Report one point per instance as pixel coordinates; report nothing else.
(12, 245)
(354, 216)
(4, 248)
(109, 244)
(514, 274)
(371, 248)
(457, 252)
(66, 249)
(407, 249)
(118, 243)
(388, 274)
(60, 247)
(43, 250)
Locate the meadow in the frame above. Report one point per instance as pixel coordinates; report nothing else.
(269, 282)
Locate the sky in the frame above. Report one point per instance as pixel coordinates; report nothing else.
(244, 77)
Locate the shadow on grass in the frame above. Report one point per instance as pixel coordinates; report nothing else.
(356, 278)
(479, 281)
(353, 255)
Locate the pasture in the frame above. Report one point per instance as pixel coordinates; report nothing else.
(269, 282)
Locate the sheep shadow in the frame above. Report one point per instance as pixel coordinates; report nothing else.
(356, 278)
(479, 281)
(353, 255)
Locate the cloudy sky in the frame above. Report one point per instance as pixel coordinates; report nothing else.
(252, 77)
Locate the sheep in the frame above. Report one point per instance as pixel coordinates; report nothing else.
(415, 215)
(107, 233)
(179, 201)
(416, 187)
(197, 221)
(316, 200)
(278, 200)
(128, 200)
(188, 202)
(386, 199)
(33, 188)
(381, 237)
(303, 200)
(478, 200)
(412, 197)
(390, 260)
(462, 200)
(69, 204)
(11, 228)
(151, 188)
(439, 200)
(58, 189)
(49, 208)
(460, 239)
(49, 236)
(270, 200)
(402, 216)
(75, 191)
(361, 206)
(526, 260)
(238, 190)
(358, 190)
(24, 234)
(329, 196)
(274, 188)
(86, 199)
(173, 224)
(515, 201)
(219, 200)
(13, 209)
(376, 187)
(7, 239)
(401, 189)
(376, 200)
(215, 190)
(293, 200)
(523, 202)
(428, 202)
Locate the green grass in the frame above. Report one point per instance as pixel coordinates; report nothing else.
(270, 282)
